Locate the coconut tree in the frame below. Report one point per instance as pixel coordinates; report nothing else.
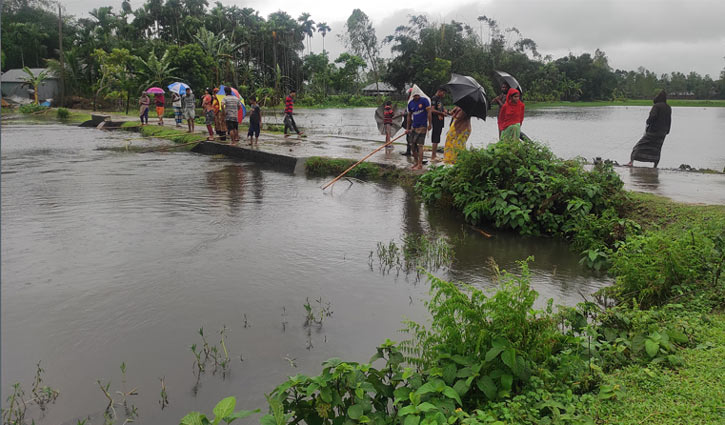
(308, 27)
(34, 80)
(323, 29)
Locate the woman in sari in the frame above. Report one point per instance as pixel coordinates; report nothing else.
(457, 136)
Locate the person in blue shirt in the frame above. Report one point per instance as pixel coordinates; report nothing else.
(419, 123)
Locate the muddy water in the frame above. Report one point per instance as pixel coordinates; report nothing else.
(111, 257)
(697, 137)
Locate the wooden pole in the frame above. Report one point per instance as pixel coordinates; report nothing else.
(358, 163)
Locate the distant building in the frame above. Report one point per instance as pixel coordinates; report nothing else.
(681, 95)
(382, 89)
(15, 89)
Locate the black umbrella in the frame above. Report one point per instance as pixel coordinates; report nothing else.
(509, 79)
(468, 95)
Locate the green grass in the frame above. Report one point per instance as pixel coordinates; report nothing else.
(652, 212)
(633, 102)
(176, 136)
(694, 393)
(318, 166)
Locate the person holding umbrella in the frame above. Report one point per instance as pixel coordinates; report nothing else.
(511, 117)
(419, 123)
(458, 134)
(220, 123)
(501, 99)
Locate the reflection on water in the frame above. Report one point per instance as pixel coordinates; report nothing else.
(647, 179)
(111, 257)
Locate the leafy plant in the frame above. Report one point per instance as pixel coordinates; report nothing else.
(223, 411)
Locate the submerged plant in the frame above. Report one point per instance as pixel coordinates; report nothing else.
(416, 252)
(18, 405)
(130, 411)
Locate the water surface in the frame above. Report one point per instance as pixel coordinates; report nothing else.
(111, 257)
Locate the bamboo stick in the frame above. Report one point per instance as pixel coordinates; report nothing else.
(358, 163)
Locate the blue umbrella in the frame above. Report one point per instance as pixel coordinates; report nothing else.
(178, 87)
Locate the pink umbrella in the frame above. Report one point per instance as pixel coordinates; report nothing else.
(155, 90)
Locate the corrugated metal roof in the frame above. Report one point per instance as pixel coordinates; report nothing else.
(17, 75)
(381, 87)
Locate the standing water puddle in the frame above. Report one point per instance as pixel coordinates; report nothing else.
(111, 257)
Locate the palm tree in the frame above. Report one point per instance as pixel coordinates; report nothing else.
(35, 80)
(308, 27)
(323, 29)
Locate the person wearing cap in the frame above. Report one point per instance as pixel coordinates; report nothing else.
(419, 123)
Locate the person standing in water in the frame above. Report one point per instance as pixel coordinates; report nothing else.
(649, 147)
(511, 116)
(289, 120)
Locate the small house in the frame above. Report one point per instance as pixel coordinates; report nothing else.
(15, 88)
(383, 89)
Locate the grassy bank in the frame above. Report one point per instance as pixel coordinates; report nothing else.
(160, 132)
(318, 166)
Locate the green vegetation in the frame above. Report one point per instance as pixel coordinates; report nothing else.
(318, 166)
(176, 136)
(223, 411)
(62, 114)
(31, 108)
(112, 53)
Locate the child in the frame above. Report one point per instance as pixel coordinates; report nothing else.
(176, 103)
(255, 121)
(160, 102)
(388, 114)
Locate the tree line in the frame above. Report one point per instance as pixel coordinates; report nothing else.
(113, 53)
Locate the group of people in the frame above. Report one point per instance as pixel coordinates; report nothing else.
(422, 116)
(221, 113)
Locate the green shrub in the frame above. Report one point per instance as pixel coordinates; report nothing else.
(62, 114)
(31, 108)
(654, 267)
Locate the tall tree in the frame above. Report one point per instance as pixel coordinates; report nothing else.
(361, 38)
(308, 27)
(323, 29)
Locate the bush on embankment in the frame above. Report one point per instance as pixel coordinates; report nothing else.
(524, 187)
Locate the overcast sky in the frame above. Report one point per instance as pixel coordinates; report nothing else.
(660, 35)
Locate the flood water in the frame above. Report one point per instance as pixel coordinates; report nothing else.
(697, 137)
(111, 257)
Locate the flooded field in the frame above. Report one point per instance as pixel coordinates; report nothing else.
(111, 257)
(697, 137)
